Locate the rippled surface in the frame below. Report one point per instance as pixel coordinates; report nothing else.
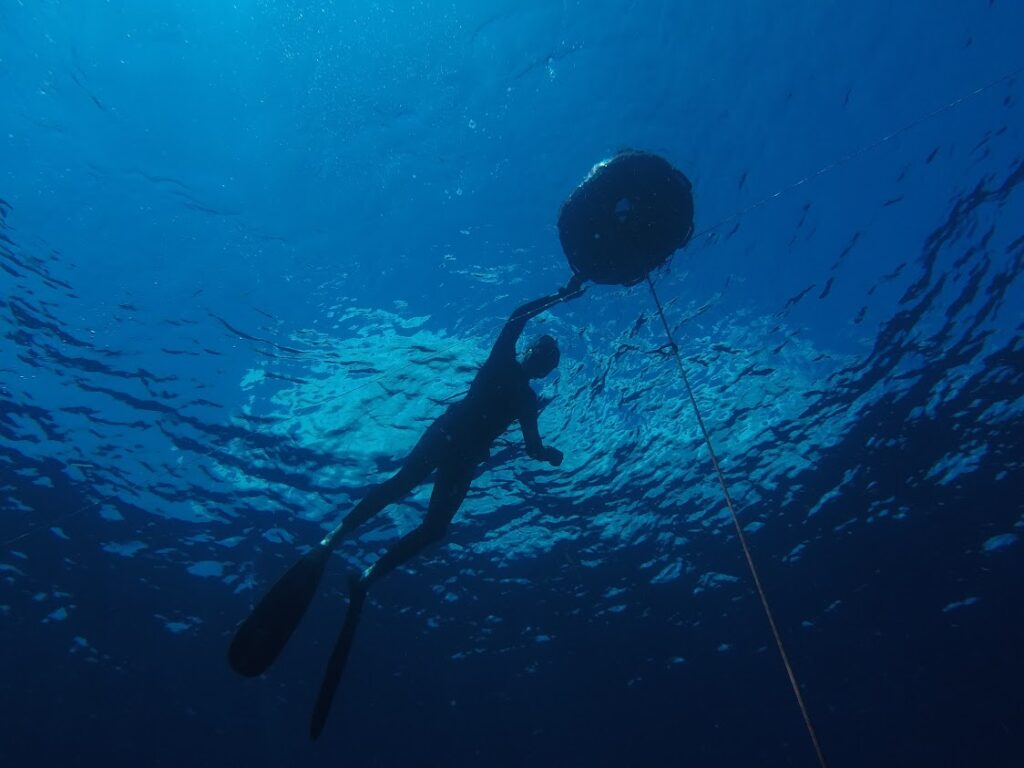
(211, 349)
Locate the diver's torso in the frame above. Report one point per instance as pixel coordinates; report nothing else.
(499, 393)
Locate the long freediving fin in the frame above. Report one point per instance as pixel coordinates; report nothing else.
(261, 637)
(337, 663)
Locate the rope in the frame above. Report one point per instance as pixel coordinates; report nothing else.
(739, 532)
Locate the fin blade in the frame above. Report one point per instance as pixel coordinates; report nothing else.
(263, 635)
(336, 665)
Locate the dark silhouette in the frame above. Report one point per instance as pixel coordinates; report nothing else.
(460, 439)
(454, 445)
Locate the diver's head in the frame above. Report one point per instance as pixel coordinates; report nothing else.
(541, 357)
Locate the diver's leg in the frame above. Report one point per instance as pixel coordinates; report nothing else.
(450, 489)
(263, 635)
(417, 467)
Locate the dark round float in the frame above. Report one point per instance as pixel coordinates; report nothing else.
(628, 216)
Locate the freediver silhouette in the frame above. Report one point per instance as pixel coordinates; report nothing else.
(626, 219)
(454, 447)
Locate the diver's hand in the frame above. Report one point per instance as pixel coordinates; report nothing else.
(553, 456)
(573, 288)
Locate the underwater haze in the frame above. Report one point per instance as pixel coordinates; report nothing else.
(250, 250)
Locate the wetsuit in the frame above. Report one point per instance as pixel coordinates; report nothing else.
(458, 442)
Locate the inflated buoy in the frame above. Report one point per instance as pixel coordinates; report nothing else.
(630, 214)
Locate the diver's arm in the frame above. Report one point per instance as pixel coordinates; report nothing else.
(535, 447)
(517, 321)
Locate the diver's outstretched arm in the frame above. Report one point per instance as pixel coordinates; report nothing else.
(516, 322)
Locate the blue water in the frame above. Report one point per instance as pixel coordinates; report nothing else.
(249, 250)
